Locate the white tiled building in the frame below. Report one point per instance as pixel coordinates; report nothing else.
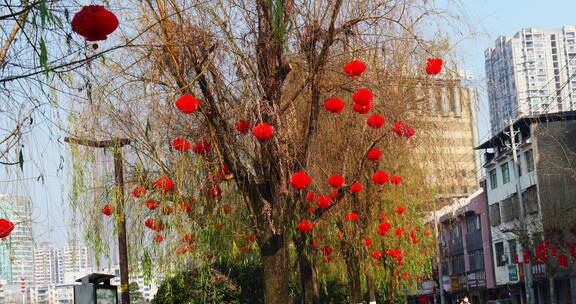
(531, 73)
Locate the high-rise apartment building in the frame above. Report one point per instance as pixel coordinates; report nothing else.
(532, 72)
(46, 264)
(73, 259)
(17, 251)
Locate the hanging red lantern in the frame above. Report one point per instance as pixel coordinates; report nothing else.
(356, 187)
(94, 22)
(202, 148)
(355, 68)
(380, 177)
(324, 201)
(107, 210)
(374, 154)
(336, 180)
(396, 180)
(400, 209)
(263, 131)
(139, 192)
(362, 109)
(384, 227)
(305, 226)
(367, 241)
(152, 204)
(334, 105)
(300, 180)
(243, 126)
(352, 216)
(376, 121)
(164, 184)
(311, 196)
(376, 254)
(6, 228)
(363, 97)
(433, 66)
(187, 103)
(180, 144)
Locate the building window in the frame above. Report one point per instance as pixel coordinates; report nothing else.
(505, 173)
(529, 155)
(458, 265)
(476, 259)
(494, 214)
(493, 179)
(512, 249)
(500, 255)
(473, 223)
(455, 232)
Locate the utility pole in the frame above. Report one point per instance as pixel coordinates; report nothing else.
(438, 260)
(117, 144)
(530, 297)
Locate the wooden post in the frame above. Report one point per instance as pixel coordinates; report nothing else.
(117, 143)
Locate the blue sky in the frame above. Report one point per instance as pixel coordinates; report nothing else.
(491, 18)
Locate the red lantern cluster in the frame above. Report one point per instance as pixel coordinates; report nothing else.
(355, 68)
(433, 66)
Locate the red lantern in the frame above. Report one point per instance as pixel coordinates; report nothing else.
(362, 109)
(187, 103)
(311, 196)
(363, 97)
(139, 192)
(158, 238)
(376, 254)
(336, 180)
(380, 177)
(383, 228)
(355, 68)
(305, 226)
(433, 66)
(214, 192)
(201, 148)
(376, 121)
(263, 131)
(374, 154)
(356, 187)
(367, 241)
(403, 130)
(152, 204)
(180, 144)
(243, 126)
(300, 180)
(6, 228)
(107, 210)
(324, 201)
(352, 216)
(396, 180)
(334, 105)
(164, 184)
(400, 209)
(94, 22)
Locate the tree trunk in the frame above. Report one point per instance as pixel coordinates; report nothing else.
(274, 254)
(371, 289)
(308, 283)
(552, 286)
(354, 284)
